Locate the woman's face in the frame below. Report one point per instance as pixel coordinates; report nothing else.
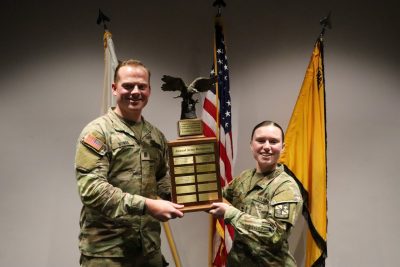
(267, 146)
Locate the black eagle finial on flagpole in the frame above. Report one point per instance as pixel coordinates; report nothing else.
(220, 4)
(325, 22)
(102, 19)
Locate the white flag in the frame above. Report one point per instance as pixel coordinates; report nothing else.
(110, 64)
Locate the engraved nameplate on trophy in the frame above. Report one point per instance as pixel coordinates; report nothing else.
(190, 127)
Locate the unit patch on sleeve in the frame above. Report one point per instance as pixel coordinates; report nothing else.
(281, 211)
(93, 142)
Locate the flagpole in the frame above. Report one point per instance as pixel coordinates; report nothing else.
(171, 243)
(220, 4)
(212, 220)
(210, 240)
(309, 137)
(216, 72)
(102, 19)
(325, 22)
(321, 242)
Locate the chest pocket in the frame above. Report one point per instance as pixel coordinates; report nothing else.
(124, 158)
(151, 158)
(237, 199)
(259, 207)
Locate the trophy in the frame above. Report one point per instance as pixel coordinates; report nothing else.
(193, 158)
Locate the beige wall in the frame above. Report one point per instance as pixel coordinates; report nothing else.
(50, 87)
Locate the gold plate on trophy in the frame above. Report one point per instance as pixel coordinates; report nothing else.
(183, 160)
(184, 189)
(186, 199)
(193, 148)
(206, 177)
(207, 187)
(189, 179)
(205, 158)
(184, 169)
(190, 127)
(206, 168)
(208, 196)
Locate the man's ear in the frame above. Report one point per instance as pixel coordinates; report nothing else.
(114, 88)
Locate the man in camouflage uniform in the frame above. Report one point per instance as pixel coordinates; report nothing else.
(121, 168)
(265, 204)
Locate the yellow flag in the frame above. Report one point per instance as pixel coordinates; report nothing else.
(305, 154)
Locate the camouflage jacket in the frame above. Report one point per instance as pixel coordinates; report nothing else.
(262, 216)
(115, 170)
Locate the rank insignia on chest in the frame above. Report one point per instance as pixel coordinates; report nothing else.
(281, 211)
(145, 155)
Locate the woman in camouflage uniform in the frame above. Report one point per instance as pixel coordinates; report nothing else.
(265, 203)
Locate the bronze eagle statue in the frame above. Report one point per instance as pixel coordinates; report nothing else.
(199, 84)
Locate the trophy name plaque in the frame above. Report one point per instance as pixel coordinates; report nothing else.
(193, 158)
(194, 172)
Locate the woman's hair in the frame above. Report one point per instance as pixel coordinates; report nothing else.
(267, 123)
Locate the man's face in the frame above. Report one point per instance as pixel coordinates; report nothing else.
(132, 91)
(267, 146)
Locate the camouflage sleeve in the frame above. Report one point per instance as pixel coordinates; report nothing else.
(227, 192)
(267, 231)
(270, 226)
(91, 167)
(163, 177)
(287, 203)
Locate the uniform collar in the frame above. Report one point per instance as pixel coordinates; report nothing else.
(268, 178)
(120, 125)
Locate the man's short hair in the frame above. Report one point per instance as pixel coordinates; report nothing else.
(130, 62)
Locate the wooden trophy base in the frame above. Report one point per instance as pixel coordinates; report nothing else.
(194, 171)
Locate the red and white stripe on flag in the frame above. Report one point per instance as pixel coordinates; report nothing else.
(216, 117)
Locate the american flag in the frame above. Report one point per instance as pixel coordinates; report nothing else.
(216, 117)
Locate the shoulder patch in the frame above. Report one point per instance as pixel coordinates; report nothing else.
(93, 142)
(281, 211)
